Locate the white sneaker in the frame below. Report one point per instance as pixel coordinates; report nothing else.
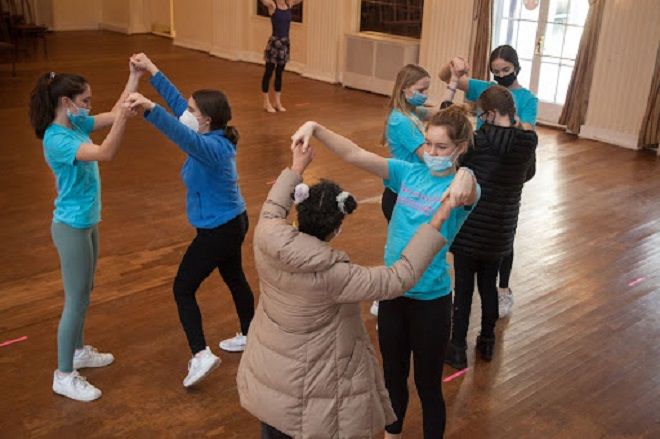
(374, 308)
(89, 356)
(199, 366)
(234, 344)
(74, 386)
(505, 302)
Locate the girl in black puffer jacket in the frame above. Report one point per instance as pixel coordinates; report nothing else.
(503, 159)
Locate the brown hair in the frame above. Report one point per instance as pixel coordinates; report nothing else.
(214, 104)
(507, 53)
(456, 122)
(498, 98)
(407, 76)
(46, 94)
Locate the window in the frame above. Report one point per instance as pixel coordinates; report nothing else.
(296, 11)
(395, 17)
(547, 40)
(546, 35)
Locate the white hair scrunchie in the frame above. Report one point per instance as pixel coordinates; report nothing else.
(341, 201)
(301, 193)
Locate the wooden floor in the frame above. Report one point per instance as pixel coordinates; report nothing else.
(579, 358)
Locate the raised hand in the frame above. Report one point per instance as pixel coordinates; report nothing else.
(301, 158)
(124, 111)
(135, 70)
(142, 61)
(461, 189)
(136, 100)
(303, 135)
(459, 66)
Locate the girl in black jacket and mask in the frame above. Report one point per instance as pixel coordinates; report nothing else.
(503, 159)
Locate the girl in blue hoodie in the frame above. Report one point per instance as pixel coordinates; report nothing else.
(214, 206)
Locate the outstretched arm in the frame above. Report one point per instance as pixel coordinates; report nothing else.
(350, 283)
(270, 4)
(162, 84)
(343, 147)
(106, 119)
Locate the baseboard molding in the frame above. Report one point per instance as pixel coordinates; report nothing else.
(255, 58)
(320, 76)
(367, 83)
(230, 55)
(192, 44)
(74, 27)
(624, 140)
(115, 27)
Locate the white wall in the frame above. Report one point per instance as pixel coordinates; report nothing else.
(76, 14)
(623, 72)
(230, 29)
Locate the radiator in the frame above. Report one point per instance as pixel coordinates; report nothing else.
(374, 59)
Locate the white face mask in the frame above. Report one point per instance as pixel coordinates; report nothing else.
(189, 120)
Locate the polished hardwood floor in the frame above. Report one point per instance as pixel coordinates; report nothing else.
(579, 357)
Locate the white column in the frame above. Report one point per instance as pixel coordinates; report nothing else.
(324, 34)
(446, 32)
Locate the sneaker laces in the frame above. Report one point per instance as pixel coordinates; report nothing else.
(86, 350)
(79, 380)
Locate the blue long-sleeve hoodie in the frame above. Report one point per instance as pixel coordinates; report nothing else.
(213, 197)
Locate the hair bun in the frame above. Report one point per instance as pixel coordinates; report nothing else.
(457, 110)
(346, 203)
(350, 204)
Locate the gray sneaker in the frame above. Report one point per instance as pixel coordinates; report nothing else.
(505, 302)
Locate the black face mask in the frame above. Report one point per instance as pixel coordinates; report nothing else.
(507, 80)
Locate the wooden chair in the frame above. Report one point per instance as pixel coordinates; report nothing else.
(7, 41)
(23, 24)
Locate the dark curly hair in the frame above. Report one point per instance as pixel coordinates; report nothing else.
(319, 215)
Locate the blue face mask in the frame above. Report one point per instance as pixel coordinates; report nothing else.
(438, 163)
(81, 114)
(417, 99)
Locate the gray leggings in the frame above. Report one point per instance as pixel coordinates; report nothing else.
(78, 250)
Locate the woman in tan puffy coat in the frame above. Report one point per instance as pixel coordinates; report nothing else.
(309, 369)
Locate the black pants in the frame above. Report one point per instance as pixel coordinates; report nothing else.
(505, 270)
(420, 327)
(213, 248)
(387, 203)
(268, 432)
(265, 81)
(465, 267)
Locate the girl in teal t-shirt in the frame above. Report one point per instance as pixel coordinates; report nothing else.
(59, 113)
(419, 322)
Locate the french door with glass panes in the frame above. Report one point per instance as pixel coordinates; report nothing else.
(546, 34)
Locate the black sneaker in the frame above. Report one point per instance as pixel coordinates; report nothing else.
(485, 347)
(456, 356)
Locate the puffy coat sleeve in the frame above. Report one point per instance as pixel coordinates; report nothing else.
(348, 283)
(279, 201)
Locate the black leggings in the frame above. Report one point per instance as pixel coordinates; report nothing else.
(268, 432)
(505, 270)
(278, 69)
(465, 267)
(420, 327)
(213, 248)
(387, 203)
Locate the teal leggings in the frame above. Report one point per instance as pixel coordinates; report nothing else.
(78, 250)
